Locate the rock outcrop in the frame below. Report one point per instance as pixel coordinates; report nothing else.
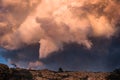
(4, 72)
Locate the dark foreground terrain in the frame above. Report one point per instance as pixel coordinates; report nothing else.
(7, 73)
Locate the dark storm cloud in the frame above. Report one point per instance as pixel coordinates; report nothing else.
(104, 56)
(113, 59)
(75, 57)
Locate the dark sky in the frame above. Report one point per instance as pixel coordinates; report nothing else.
(104, 56)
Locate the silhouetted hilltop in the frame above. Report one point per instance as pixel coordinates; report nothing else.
(7, 73)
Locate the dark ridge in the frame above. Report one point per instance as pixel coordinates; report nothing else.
(7, 73)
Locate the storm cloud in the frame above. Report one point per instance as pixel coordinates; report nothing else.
(71, 31)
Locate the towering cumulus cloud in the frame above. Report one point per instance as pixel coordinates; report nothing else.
(53, 23)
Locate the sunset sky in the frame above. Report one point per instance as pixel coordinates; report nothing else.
(72, 34)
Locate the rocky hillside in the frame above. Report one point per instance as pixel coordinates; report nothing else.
(7, 73)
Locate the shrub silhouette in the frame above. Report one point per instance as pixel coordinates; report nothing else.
(60, 70)
(14, 65)
(115, 75)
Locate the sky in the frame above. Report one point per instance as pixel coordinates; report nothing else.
(2, 60)
(77, 35)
